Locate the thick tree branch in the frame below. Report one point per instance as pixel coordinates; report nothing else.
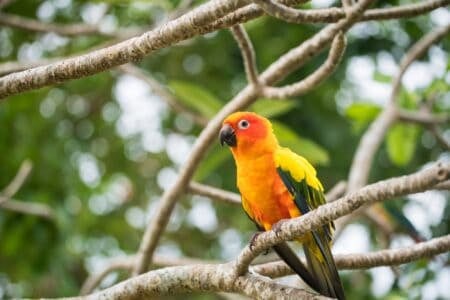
(201, 20)
(200, 278)
(292, 15)
(133, 49)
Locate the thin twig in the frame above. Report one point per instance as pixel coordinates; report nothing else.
(14, 186)
(28, 208)
(212, 192)
(424, 118)
(162, 92)
(248, 53)
(28, 24)
(329, 66)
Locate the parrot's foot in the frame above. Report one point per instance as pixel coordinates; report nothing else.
(253, 240)
(277, 226)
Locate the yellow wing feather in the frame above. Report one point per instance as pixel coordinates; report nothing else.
(297, 166)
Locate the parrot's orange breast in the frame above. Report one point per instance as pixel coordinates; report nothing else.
(264, 196)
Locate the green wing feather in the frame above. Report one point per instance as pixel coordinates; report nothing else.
(300, 179)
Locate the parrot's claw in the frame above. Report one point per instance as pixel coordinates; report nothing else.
(253, 240)
(277, 226)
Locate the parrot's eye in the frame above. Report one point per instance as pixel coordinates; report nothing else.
(243, 124)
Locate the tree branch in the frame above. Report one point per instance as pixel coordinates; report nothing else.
(20, 22)
(329, 66)
(162, 92)
(28, 208)
(423, 118)
(133, 49)
(248, 53)
(14, 186)
(212, 192)
(388, 257)
(204, 19)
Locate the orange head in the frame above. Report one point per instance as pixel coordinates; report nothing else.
(248, 133)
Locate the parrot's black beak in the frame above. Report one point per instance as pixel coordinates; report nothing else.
(227, 136)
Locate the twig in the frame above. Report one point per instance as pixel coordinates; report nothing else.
(334, 57)
(161, 91)
(424, 118)
(212, 192)
(28, 208)
(13, 187)
(382, 190)
(20, 22)
(277, 71)
(435, 131)
(248, 53)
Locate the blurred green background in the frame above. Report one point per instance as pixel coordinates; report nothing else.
(105, 147)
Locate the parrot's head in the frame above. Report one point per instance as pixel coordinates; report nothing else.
(247, 133)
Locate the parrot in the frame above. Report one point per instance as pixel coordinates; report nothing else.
(277, 184)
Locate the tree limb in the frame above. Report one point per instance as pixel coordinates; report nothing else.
(388, 257)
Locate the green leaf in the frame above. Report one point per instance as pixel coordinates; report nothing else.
(196, 97)
(401, 143)
(383, 78)
(213, 160)
(362, 113)
(408, 100)
(271, 108)
(305, 147)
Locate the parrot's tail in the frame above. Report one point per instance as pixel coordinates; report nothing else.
(322, 266)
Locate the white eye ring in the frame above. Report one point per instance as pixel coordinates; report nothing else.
(243, 124)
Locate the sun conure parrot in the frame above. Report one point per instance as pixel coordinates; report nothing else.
(277, 184)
